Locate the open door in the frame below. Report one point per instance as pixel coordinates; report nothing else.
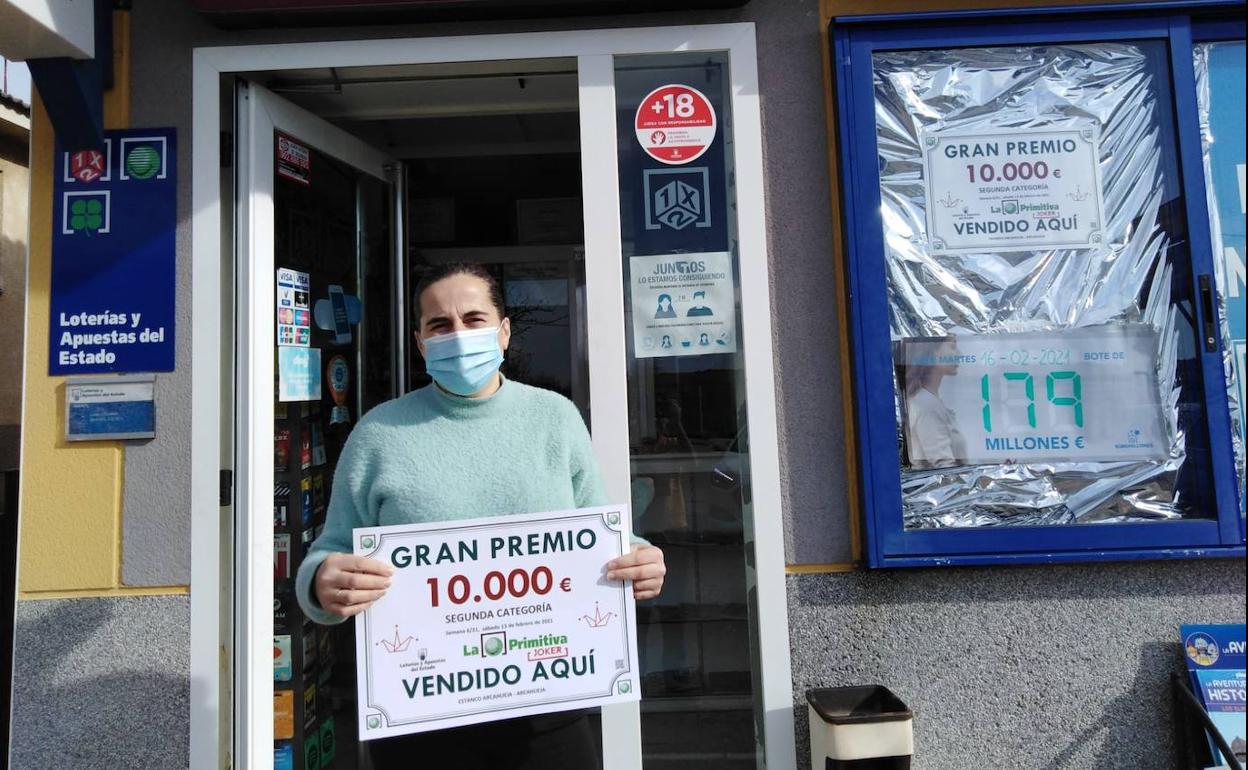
(315, 295)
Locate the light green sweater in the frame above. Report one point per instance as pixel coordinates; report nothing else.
(430, 456)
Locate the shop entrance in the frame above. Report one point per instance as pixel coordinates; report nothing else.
(355, 227)
(352, 181)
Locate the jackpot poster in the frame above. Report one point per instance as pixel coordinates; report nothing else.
(1013, 190)
(495, 618)
(1072, 395)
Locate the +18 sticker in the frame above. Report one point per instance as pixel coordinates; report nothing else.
(675, 124)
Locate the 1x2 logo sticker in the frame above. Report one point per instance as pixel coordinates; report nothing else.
(677, 198)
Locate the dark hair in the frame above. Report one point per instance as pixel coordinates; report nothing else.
(915, 375)
(435, 273)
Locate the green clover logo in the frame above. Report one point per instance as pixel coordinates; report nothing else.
(374, 723)
(86, 214)
(613, 519)
(626, 687)
(367, 541)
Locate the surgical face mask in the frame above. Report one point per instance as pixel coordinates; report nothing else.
(463, 362)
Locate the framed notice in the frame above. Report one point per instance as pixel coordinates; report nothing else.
(1013, 190)
(1072, 395)
(110, 408)
(495, 618)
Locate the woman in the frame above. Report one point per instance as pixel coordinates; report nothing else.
(933, 439)
(472, 444)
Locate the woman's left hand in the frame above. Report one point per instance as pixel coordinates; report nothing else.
(644, 566)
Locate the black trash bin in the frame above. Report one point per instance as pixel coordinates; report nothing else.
(859, 728)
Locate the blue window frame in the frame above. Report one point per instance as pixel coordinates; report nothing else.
(1170, 28)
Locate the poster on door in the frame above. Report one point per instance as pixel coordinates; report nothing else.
(298, 374)
(683, 305)
(1013, 190)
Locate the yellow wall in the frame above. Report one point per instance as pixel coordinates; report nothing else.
(71, 496)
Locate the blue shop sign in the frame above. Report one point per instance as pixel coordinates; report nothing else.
(113, 255)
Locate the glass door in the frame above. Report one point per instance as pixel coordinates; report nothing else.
(672, 260)
(689, 469)
(316, 295)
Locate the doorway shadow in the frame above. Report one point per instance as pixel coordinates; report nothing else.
(101, 683)
(1121, 718)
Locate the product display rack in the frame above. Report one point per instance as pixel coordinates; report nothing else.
(305, 727)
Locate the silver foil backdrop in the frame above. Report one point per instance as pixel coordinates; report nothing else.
(1126, 279)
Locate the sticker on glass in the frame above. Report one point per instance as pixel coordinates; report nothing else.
(675, 124)
(677, 198)
(294, 160)
(683, 305)
(294, 322)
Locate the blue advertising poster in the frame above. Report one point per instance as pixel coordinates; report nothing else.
(298, 374)
(1223, 695)
(1215, 660)
(1226, 127)
(112, 294)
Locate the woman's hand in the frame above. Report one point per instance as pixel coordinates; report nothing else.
(347, 585)
(644, 566)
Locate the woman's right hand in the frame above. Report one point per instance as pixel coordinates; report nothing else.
(347, 584)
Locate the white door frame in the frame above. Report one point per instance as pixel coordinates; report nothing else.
(593, 50)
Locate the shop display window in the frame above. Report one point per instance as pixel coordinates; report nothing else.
(1044, 362)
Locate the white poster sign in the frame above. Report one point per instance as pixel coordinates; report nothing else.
(683, 304)
(1013, 190)
(1072, 395)
(495, 618)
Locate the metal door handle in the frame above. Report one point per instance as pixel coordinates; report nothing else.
(1209, 329)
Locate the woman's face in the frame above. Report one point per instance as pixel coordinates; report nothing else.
(947, 351)
(459, 303)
